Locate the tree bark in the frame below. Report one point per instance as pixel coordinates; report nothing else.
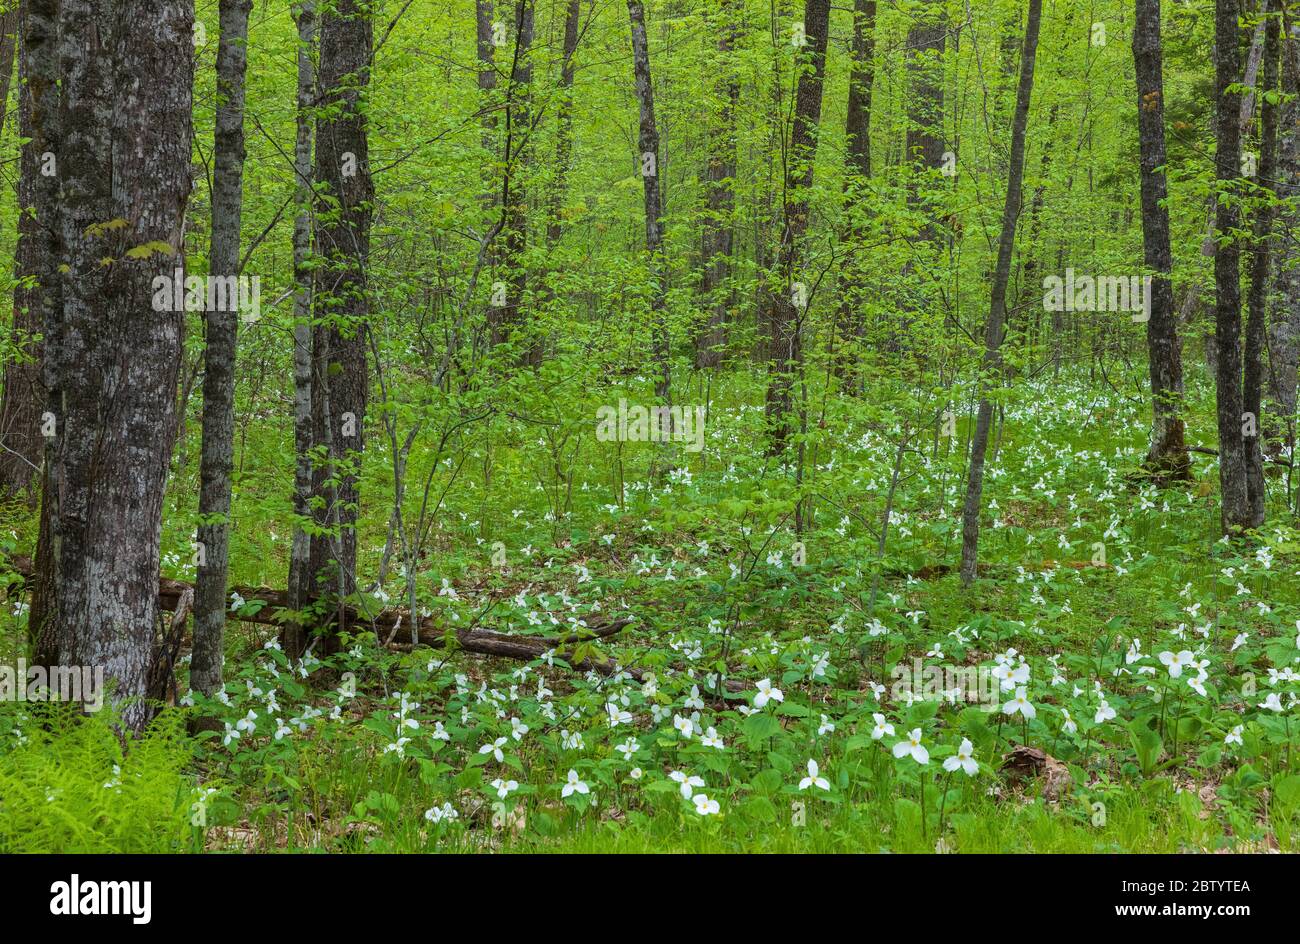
(1284, 327)
(926, 43)
(720, 201)
(998, 302)
(506, 319)
(112, 350)
(789, 306)
(10, 26)
(1261, 267)
(487, 84)
(564, 123)
(1235, 504)
(857, 171)
(1245, 114)
(217, 457)
(340, 379)
(1167, 458)
(648, 162)
(301, 583)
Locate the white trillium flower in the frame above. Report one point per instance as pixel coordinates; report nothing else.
(1175, 661)
(767, 693)
(882, 727)
(704, 806)
(437, 814)
(963, 759)
(710, 738)
(495, 749)
(574, 785)
(505, 787)
(912, 746)
(813, 779)
(1020, 705)
(1068, 724)
(687, 782)
(1272, 702)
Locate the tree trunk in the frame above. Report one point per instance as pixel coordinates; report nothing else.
(790, 306)
(217, 458)
(506, 318)
(1284, 328)
(563, 123)
(648, 162)
(1235, 502)
(720, 202)
(38, 249)
(1261, 266)
(487, 84)
(857, 171)
(1167, 458)
(340, 381)
(1245, 115)
(970, 531)
(926, 43)
(301, 579)
(10, 26)
(113, 347)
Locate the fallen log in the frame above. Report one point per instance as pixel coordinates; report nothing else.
(172, 592)
(1206, 451)
(174, 597)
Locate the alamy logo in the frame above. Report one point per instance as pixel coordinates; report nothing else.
(79, 683)
(1099, 293)
(966, 684)
(651, 424)
(178, 292)
(76, 897)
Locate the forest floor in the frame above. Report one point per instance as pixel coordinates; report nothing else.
(1116, 679)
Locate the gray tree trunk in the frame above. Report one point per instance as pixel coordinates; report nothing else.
(789, 307)
(1284, 327)
(1235, 502)
(857, 172)
(487, 84)
(10, 26)
(926, 43)
(970, 531)
(563, 122)
(648, 162)
(111, 358)
(217, 457)
(718, 232)
(506, 319)
(301, 579)
(1261, 268)
(340, 378)
(1167, 459)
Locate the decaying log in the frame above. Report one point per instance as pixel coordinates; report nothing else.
(175, 595)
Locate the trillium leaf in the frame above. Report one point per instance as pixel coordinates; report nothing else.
(760, 726)
(760, 809)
